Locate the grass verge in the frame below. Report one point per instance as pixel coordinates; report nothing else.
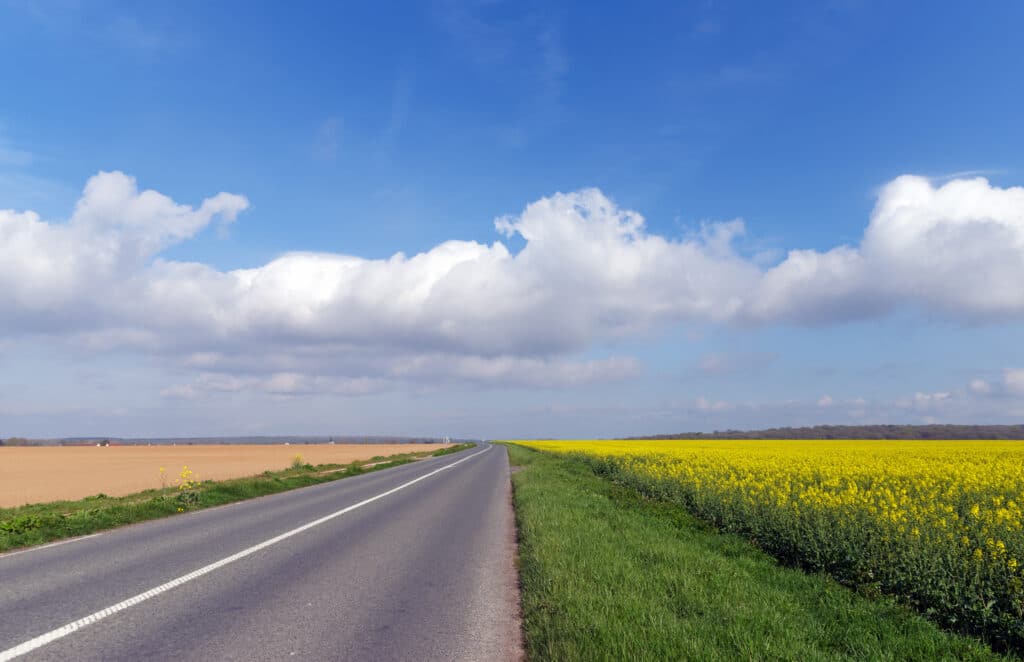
(35, 524)
(609, 575)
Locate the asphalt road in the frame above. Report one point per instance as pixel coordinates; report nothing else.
(388, 567)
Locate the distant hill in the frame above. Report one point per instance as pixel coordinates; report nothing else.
(203, 441)
(860, 432)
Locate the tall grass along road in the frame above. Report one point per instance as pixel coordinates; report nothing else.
(934, 524)
(410, 563)
(609, 573)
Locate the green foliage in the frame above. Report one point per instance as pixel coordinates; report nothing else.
(452, 449)
(608, 574)
(939, 581)
(22, 524)
(299, 464)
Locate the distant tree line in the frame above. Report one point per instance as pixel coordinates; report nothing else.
(15, 441)
(860, 432)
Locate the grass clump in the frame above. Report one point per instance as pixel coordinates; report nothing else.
(607, 574)
(451, 449)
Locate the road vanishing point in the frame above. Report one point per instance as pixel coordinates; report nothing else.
(410, 563)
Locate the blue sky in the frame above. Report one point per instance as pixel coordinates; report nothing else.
(881, 139)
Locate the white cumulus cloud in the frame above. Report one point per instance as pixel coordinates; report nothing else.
(980, 386)
(955, 249)
(588, 273)
(59, 277)
(1014, 379)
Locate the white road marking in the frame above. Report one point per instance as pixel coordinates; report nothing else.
(65, 630)
(6, 555)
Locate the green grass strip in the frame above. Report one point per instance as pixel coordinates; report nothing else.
(35, 524)
(609, 575)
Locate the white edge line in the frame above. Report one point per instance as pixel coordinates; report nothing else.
(65, 630)
(48, 545)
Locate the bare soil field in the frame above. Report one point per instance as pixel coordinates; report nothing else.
(40, 474)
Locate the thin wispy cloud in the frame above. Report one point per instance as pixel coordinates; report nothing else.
(397, 115)
(721, 364)
(968, 174)
(12, 156)
(328, 139)
(129, 32)
(97, 24)
(521, 48)
(707, 26)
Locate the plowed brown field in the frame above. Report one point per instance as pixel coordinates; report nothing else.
(39, 474)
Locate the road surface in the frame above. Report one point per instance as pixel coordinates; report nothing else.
(410, 563)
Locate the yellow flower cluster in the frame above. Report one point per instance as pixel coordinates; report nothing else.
(938, 523)
(188, 496)
(185, 481)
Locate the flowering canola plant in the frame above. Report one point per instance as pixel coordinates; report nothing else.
(936, 523)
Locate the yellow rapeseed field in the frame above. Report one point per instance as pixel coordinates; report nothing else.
(936, 523)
